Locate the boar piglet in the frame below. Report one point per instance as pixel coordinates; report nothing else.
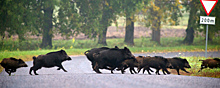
(129, 63)
(49, 60)
(211, 63)
(89, 54)
(154, 62)
(111, 58)
(11, 64)
(179, 63)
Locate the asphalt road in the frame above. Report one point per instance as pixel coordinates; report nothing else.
(81, 75)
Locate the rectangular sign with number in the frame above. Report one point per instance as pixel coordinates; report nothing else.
(207, 20)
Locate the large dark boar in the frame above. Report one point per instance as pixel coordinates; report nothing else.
(89, 54)
(211, 63)
(154, 62)
(11, 64)
(111, 58)
(179, 63)
(49, 60)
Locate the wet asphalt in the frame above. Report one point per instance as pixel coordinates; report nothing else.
(81, 75)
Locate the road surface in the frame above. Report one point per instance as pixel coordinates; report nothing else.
(81, 75)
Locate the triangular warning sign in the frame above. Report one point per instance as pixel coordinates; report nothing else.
(208, 5)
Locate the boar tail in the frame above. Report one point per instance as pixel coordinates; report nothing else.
(34, 57)
(86, 52)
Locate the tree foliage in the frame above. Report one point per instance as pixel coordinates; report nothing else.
(158, 11)
(15, 16)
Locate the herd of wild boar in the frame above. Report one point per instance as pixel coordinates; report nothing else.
(110, 59)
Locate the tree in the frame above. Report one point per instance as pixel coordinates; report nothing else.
(90, 14)
(195, 9)
(65, 22)
(96, 16)
(15, 16)
(193, 6)
(110, 10)
(159, 11)
(130, 8)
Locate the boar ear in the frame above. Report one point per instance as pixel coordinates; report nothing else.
(125, 48)
(184, 60)
(116, 47)
(20, 61)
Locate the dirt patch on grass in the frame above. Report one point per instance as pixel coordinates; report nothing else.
(119, 32)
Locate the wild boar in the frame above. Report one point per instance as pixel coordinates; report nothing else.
(154, 62)
(111, 58)
(49, 60)
(179, 63)
(211, 63)
(11, 64)
(89, 54)
(131, 64)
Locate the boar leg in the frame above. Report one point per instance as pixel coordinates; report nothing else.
(151, 70)
(178, 71)
(164, 72)
(61, 66)
(139, 68)
(112, 69)
(144, 70)
(148, 69)
(122, 68)
(8, 71)
(184, 70)
(96, 68)
(132, 69)
(30, 70)
(35, 68)
(157, 72)
(164, 69)
(35, 72)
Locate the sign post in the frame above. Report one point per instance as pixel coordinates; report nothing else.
(208, 5)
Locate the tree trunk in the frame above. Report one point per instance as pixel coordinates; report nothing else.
(189, 36)
(191, 25)
(156, 24)
(129, 35)
(47, 28)
(156, 33)
(104, 26)
(102, 37)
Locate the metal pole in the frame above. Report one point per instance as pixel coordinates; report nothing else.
(206, 42)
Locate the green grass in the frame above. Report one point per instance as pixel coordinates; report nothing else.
(172, 44)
